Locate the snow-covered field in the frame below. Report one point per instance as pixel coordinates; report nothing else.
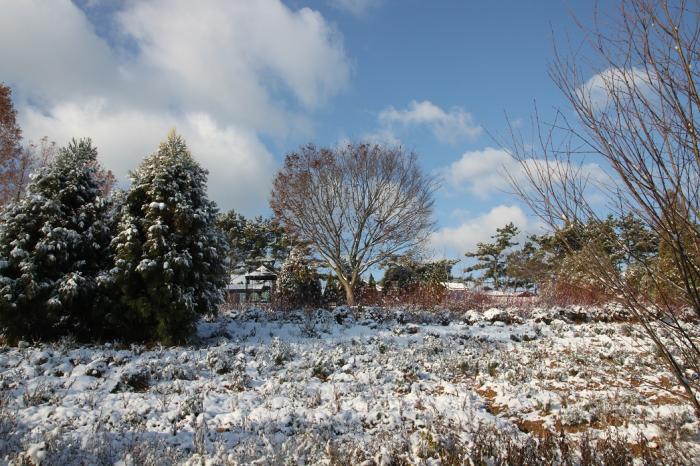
(336, 388)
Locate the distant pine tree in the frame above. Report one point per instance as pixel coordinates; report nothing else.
(253, 242)
(169, 255)
(491, 257)
(372, 283)
(53, 245)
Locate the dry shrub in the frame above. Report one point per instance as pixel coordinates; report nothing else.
(463, 301)
(563, 293)
(491, 445)
(425, 296)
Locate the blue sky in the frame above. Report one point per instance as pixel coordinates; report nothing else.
(245, 82)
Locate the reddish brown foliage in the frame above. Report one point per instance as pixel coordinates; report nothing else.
(568, 294)
(10, 149)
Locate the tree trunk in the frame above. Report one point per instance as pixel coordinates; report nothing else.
(349, 295)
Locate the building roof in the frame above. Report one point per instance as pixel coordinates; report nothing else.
(257, 280)
(455, 286)
(261, 273)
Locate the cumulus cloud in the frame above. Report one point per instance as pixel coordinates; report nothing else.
(220, 51)
(482, 172)
(447, 126)
(620, 82)
(50, 50)
(239, 165)
(212, 69)
(455, 241)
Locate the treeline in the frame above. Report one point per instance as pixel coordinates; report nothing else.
(567, 263)
(253, 242)
(405, 280)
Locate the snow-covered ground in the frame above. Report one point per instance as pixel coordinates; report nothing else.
(338, 388)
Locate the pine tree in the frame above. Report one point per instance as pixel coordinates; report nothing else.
(53, 244)
(169, 254)
(253, 243)
(371, 282)
(298, 283)
(527, 267)
(491, 257)
(400, 274)
(638, 241)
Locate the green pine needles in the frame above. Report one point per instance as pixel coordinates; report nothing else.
(169, 256)
(138, 266)
(54, 243)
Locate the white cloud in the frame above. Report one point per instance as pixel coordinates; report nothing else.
(223, 72)
(50, 50)
(222, 51)
(239, 165)
(619, 82)
(448, 127)
(355, 7)
(382, 137)
(482, 172)
(455, 241)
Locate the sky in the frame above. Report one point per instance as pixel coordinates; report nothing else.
(246, 82)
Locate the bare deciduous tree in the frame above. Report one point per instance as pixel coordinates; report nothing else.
(31, 158)
(355, 205)
(638, 117)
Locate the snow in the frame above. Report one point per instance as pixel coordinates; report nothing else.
(455, 286)
(266, 387)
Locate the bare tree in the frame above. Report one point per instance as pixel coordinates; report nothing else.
(31, 158)
(636, 104)
(356, 205)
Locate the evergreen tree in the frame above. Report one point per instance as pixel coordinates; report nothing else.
(638, 241)
(253, 243)
(372, 283)
(53, 244)
(435, 272)
(491, 257)
(527, 267)
(169, 254)
(405, 272)
(333, 293)
(400, 274)
(298, 283)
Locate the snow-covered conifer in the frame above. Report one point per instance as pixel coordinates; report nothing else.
(54, 242)
(169, 255)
